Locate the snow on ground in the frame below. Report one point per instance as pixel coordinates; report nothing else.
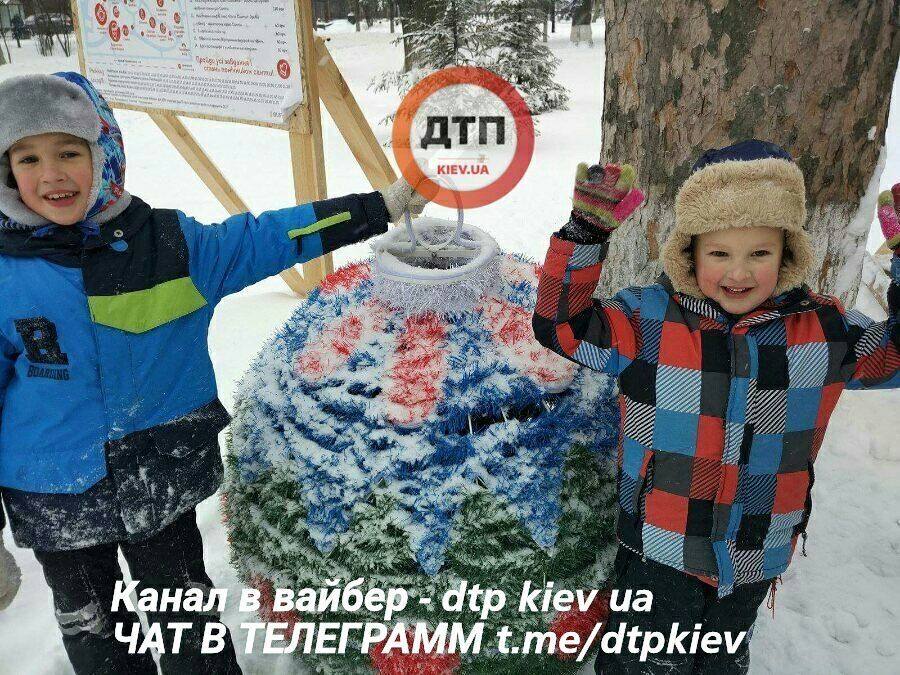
(839, 608)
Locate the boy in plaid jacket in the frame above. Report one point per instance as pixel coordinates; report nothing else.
(729, 369)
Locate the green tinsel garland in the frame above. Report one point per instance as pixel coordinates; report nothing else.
(267, 523)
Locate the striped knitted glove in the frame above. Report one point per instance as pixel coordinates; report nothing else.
(888, 208)
(604, 196)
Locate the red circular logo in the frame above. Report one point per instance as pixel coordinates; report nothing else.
(100, 14)
(114, 32)
(284, 69)
(469, 144)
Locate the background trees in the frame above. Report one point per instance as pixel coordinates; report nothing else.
(505, 36)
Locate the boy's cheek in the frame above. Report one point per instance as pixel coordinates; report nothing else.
(768, 277)
(707, 279)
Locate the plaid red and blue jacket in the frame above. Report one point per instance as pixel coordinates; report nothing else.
(721, 417)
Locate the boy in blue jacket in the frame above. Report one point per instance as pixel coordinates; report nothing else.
(109, 415)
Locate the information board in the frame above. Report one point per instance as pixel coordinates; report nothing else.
(229, 59)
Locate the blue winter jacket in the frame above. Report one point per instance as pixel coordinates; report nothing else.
(108, 404)
(111, 342)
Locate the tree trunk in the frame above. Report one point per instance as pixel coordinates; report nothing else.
(814, 77)
(413, 14)
(581, 22)
(327, 11)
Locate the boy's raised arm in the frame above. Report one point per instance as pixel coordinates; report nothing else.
(245, 248)
(877, 345)
(567, 319)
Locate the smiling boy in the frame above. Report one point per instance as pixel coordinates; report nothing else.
(53, 174)
(729, 369)
(109, 411)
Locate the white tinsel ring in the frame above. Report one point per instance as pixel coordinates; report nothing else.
(446, 269)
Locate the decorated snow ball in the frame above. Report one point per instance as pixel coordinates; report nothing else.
(405, 429)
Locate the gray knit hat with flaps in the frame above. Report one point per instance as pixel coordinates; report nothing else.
(42, 104)
(749, 184)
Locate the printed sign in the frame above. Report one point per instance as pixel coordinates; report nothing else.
(229, 58)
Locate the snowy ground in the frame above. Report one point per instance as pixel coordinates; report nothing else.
(838, 610)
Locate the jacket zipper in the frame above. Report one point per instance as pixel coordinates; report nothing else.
(731, 374)
(100, 377)
(730, 327)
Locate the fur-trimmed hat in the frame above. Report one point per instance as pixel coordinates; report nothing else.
(61, 103)
(749, 184)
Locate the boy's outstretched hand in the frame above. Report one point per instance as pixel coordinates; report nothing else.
(604, 196)
(888, 210)
(10, 577)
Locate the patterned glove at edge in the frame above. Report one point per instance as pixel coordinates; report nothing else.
(888, 207)
(604, 196)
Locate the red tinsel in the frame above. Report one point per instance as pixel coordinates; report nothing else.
(346, 278)
(581, 622)
(397, 663)
(419, 367)
(266, 602)
(223, 506)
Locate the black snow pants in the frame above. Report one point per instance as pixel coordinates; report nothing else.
(683, 599)
(82, 582)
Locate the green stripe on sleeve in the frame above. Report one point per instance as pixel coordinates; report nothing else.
(140, 311)
(341, 217)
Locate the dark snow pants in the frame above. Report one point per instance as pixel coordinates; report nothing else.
(681, 598)
(82, 582)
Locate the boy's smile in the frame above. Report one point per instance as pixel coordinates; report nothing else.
(53, 174)
(738, 267)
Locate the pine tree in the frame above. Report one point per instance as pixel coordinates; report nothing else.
(521, 57)
(440, 34)
(451, 40)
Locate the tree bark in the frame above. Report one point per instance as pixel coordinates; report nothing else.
(683, 76)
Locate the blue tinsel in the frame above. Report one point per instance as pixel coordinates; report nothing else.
(333, 435)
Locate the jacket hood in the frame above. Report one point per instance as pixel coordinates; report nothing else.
(61, 103)
(750, 184)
